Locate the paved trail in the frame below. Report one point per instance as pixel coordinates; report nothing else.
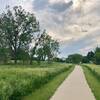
(74, 87)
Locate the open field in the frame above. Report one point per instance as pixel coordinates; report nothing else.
(46, 91)
(92, 73)
(20, 81)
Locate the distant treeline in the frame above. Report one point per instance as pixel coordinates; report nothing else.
(22, 40)
(91, 57)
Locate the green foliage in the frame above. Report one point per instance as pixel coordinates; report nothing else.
(93, 57)
(17, 82)
(85, 59)
(92, 79)
(48, 48)
(23, 56)
(97, 56)
(46, 91)
(57, 59)
(4, 55)
(17, 28)
(20, 33)
(75, 58)
(94, 69)
(90, 56)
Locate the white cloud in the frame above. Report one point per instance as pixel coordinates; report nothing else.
(55, 1)
(76, 24)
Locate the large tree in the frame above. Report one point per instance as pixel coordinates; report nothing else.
(17, 27)
(74, 58)
(90, 56)
(37, 41)
(85, 59)
(97, 55)
(48, 48)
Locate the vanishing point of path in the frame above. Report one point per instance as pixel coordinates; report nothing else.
(74, 87)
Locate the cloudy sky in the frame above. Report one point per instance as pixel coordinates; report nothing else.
(75, 23)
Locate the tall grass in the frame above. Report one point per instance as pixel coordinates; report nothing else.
(47, 91)
(95, 69)
(17, 82)
(93, 79)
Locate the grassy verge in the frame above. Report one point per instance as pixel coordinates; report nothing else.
(46, 91)
(18, 82)
(93, 82)
(35, 65)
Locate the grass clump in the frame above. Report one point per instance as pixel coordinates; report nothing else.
(93, 80)
(20, 81)
(47, 90)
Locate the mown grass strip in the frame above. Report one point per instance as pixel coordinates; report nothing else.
(93, 82)
(46, 91)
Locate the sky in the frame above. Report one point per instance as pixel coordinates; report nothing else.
(74, 23)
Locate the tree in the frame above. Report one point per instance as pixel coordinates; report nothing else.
(47, 48)
(97, 58)
(57, 59)
(23, 55)
(97, 49)
(4, 50)
(85, 59)
(74, 58)
(40, 54)
(33, 51)
(4, 55)
(18, 28)
(97, 55)
(90, 56)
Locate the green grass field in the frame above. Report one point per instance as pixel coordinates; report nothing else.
(92, 73)
(20, 80)
(46, 91)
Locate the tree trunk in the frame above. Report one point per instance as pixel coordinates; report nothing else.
(15, 54)
(33, 53)
(15, 58)
(31, 58)
(15, 61)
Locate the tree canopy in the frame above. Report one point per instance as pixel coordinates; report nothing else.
(21, 37)
(74, 58)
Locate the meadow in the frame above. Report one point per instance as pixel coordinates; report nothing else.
(17, 81)
(92, 73)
